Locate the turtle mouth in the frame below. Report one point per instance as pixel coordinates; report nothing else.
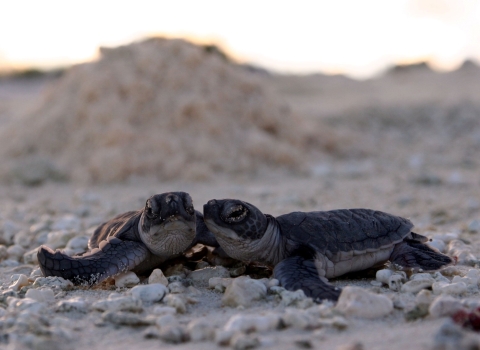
(235, 214)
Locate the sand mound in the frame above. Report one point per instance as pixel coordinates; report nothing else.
(160, 107)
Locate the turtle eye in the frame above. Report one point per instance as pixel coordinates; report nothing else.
(236, 214)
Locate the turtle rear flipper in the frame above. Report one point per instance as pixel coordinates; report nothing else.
(297, 272)
(113, 256)
(418, 256)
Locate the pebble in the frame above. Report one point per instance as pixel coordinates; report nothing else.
(59, 239)
(53, 282)
(15, 252)
(77, 245)
(462, 252)
(395, 282)
(175, 270)
(126, 318)
(252, 323)
(3, 252)
(126, 279)
(166, 320)
(26, 304)
(67, 222)
(118, 303)
(10, 229)
(444, 305)
(177, 302)
(474, 226)
(219, 284)
(173, 334)
(273, 283)
(424, 297)
(296, 298)
(415, 286)
(21, 281)
(356, 301)
(30, 257)
(437, 244)
(470, 282)
(449, 288)
(176, 288)
(163, 310)
(243, 291)
(200, 330)
(75, 304)
(157, 276)
(242, 341)
(298, 319)
(205, 274)
(41, 295)
(149, 293)
(36, 273)
(383, 275)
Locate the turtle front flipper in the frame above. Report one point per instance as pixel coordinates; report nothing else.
(418, 256)
(297, 272)
(112, 257)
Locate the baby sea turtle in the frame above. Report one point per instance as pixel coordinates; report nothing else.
(306, 248)
(136, 240)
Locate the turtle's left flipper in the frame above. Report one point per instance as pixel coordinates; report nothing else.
(418, 256)
(113, 257)
(297, 272)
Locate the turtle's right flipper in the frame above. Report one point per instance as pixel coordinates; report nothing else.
(297, 272)
(112, 257)
(418, 256)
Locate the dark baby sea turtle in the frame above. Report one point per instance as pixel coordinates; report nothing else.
(135, 240)
(306, 248)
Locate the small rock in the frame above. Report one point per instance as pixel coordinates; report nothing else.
(3, 252)
(177, 302)
(163, 310)
(395, 282)
(166, 320)
(449, 288)
(176, 288)
(415, 286)
(10, 229)
(126, 279)
(219, 284)
(27, 304)
(444, 305)
(59, 239)
(149, 293)
(474, 226)
(383, 275)
(77, 245)
(242, 341)
(173, 334)
(118, 303)
(462, 252)
(204, 275)
(449, 336)
(223, 337)
(126, 318)
(437, 244)
(243, 291)
(337, 322)
(15, 252)
(36, 273)
(74, 304)
(175, 270)
(296, 298)
(298, 319)
(470, 282)
(30, 257)
(200, 330)
(252, 323)
(273, 283)
(356, 301)
(67, 222)
(424, 297)
(21, 281)
(157, 276)
(53, 282)
(41, 295)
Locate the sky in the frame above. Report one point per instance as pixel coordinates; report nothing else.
(355, 37)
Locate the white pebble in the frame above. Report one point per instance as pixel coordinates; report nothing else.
(27, 304)
(126, 279)
(157, 276)
(163, 310)
(437, 244)
(10, 229)
(422, 277)
(241, 341)
(243, 291)
(383, 275)
(149, 293)
(474, 226)
(77, 245)
(424, 297)
(444, 306)
(415, 286)
(219, 283)
(356, 301)
(15, 252)
(30, 257)
(200, 330)
(36, 273)
(74, 304)
(273, 283)
(252, 323)
(21, 281)
(67, 222)
(53, 282)
(122, 303)
(395, 282)
(462, 252)
(471, 282)
(41, 295)
(3, 252)
(166, 320)
(177, 302)
(449, 288)
(176, 288)
(296, 298)
(447, 237)
(59, 239)
(205, 274)
(298, 319)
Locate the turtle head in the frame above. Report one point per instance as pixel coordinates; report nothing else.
(167, 224)
(235, 224)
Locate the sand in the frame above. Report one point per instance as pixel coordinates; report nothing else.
(405, 143)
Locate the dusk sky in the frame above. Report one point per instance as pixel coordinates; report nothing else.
(358, 38)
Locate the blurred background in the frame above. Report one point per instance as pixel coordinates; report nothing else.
(115, 91)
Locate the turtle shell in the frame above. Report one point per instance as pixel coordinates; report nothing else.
(123, 226)
(344, 230)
